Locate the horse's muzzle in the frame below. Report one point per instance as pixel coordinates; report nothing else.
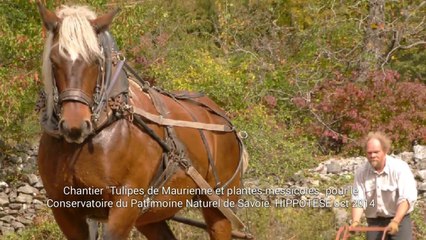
(75, 134)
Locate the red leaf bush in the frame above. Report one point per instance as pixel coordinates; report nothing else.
(346, 111)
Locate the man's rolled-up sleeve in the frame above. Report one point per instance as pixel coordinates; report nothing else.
(407, 187)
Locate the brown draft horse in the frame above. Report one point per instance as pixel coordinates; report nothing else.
(80, 155)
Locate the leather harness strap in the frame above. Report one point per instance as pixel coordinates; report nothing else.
(183, 160)
(206, 145)
(75, 94)
(181, 123)
(226, 211)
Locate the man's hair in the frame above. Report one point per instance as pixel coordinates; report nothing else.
(384, 140)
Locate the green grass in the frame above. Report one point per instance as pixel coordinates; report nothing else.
(419, 219)
(263, 223)
(44, 227)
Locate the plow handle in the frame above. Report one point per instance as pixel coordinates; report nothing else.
(345, 230)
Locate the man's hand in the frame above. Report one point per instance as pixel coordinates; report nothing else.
(355, 224)
(393, 227)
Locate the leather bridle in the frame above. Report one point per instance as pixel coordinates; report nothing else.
(75, 94)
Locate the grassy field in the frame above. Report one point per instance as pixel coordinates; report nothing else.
(263, 223)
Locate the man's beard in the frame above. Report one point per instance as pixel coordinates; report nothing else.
(374, 163)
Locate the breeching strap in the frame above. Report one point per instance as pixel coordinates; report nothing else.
(227, 212)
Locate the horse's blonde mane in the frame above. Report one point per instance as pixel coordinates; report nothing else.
(76, 35)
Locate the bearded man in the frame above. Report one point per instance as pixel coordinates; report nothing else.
(384, 187)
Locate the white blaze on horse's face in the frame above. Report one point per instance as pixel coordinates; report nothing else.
(74, 57)
(76, 81)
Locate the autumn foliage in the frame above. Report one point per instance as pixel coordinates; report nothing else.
(347, 111)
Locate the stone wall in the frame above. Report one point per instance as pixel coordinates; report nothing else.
(21, 191)
(19, 204)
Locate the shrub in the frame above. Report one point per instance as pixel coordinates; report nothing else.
(228, 86)
(20, 49)
(276, 153)
(348, 111)
(18, 93)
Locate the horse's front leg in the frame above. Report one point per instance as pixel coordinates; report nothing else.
(73, 226)
(121, 219)
(218, 226)
(157, 231)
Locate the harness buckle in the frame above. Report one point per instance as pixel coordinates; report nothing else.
(118, 57)
(95, 117)
(184, 162)
(243, 134)
(128, 112)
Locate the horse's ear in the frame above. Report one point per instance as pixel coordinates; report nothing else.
(50, 20)
(102, 23)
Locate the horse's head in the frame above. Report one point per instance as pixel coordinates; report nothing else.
(72, 63)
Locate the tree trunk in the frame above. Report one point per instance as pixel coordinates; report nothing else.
(374, 41)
